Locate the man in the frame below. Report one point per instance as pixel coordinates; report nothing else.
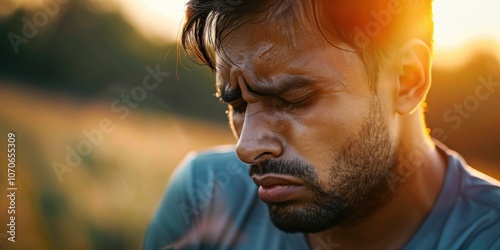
(325, 98)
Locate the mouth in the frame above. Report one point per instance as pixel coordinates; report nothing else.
(278, 188)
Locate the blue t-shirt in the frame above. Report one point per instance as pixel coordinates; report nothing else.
(211, 203)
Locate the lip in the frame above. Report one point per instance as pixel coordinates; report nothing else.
(269, 180)
(278, 188)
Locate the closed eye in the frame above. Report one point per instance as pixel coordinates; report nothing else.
(283, 105)
(294, 102)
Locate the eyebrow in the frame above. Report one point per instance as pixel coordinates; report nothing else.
(283, 84)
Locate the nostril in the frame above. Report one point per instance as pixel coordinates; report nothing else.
(263, 156)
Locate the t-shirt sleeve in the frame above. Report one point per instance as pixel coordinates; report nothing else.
(205, 205)
(495, 244)
(172, 219)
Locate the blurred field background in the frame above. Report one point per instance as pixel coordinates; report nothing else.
(89, 53)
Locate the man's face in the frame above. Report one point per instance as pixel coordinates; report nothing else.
(317, 138)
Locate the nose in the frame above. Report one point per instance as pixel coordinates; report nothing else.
(259, 139)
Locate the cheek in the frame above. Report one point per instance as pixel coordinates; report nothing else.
(320, 135)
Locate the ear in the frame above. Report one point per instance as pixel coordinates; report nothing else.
(414, 75)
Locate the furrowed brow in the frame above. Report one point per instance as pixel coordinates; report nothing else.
(283, 84)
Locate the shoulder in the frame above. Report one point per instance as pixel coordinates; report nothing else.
(474, 187)
(204, 182)
(200, 173)
(480, 197)
(222, 158)
(481, 188)
(213, 168)
(478, 207)
(208, 173)
(470, 185)
(466, 214)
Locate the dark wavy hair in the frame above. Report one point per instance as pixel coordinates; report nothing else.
(381, 23)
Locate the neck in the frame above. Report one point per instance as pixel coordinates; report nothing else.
(413, 189)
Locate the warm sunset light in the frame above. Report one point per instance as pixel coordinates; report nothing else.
(456, 22)
(111, 134)
(155, 18)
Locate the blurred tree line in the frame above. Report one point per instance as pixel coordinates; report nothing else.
(89, 54)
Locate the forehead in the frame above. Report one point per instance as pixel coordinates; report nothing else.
(267, 48)
(281, 31)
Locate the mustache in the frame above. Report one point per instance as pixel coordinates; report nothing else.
(295, 168)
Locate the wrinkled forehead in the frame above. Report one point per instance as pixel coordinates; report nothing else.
(274, 35)
(259, 41)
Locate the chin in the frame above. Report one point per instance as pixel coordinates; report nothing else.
(309, 218)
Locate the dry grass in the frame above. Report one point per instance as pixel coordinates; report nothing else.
(107, 200)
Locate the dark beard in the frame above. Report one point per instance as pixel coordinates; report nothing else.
(357, 181)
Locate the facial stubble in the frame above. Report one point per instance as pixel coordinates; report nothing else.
(356, 185)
